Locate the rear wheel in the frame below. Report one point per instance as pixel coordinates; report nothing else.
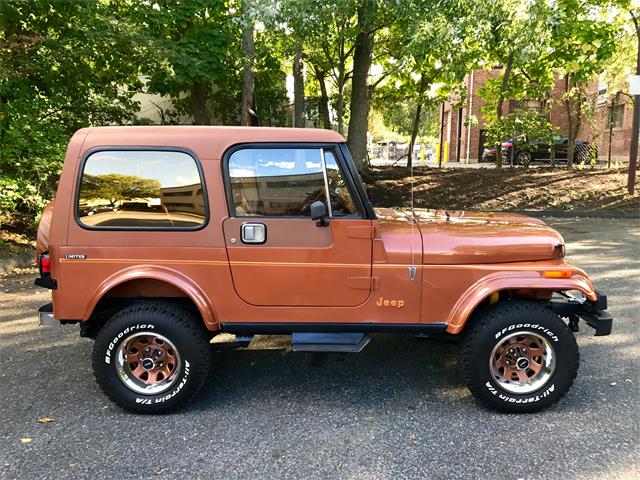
(151, 357)
(519, 357)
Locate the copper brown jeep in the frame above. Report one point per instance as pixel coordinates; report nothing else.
(161, 238)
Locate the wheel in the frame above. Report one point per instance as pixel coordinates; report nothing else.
(524, 158)
(152, 357)
(519, 357)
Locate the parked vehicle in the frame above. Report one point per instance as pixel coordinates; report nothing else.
(528, 151)
(269, 231)
(489, 154)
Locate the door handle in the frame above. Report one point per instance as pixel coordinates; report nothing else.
(253, 233)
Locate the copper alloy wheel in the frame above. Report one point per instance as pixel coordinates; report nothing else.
(147, 363)
(522, 362)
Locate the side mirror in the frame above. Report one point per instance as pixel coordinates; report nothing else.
(319, 213)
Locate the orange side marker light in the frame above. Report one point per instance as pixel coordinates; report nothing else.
(557, 274)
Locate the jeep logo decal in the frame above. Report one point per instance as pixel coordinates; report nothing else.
(382, 302)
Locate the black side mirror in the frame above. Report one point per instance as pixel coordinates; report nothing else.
(319, 213)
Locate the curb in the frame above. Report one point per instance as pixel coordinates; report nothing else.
(579, 214)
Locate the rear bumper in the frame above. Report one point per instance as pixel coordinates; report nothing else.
(45, 316)
(594, 313)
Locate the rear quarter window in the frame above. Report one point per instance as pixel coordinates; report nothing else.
(141, 190)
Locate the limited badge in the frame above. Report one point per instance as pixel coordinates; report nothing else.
(74, 256)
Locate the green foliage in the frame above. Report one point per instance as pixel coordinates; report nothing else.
(66, 65)
(115, 187)
(63, 66)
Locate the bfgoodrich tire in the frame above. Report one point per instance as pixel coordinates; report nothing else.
(151, 357)
(519, 357)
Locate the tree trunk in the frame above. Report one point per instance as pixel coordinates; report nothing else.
(199, 104)
(503, 88)
(248, 108)
(416, 120)
(359, 122)
(324, 99)
(340, 108)
(298, 90)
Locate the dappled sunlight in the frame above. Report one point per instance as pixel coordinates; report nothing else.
(28, 323)
(270, 342)
(618, 274)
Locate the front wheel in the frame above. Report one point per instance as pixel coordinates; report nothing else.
(519, 357)
(151, 357)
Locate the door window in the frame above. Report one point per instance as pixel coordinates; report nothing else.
(341, 200)
(285, 182)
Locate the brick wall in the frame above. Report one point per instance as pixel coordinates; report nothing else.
(594, 130)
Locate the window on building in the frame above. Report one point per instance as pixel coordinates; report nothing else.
(141, 190)
(616, 116)
(530, 106)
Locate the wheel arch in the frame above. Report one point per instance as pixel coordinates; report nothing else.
(533, 282)
(175, 284)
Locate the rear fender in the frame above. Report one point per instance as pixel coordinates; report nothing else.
(499, 281)
(163, 274)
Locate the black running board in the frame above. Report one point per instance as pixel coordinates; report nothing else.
(329, 342)
(285, 328)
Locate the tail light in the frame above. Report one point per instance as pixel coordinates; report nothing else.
(45, 265)
(507, 145)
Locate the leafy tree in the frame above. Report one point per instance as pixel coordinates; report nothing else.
(583, 40)
(115, 187)
(63, 65)
(507, 30)
(432, 49)
(191, 46)
(322, 33)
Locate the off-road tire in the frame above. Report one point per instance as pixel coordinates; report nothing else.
(497, 322)
(175, 323)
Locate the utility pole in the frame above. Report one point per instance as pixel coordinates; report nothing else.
(440, 147)
(635, 130)
(633, 155)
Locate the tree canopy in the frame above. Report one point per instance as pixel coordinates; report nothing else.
(327, 63)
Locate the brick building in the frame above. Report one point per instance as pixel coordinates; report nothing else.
(613, 115)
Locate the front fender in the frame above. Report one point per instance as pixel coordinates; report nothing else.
(517, 279)
(155, 272)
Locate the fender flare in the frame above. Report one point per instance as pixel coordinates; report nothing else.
(495, 282)
(163, 274)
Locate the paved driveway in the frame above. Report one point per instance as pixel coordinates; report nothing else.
(397, 410)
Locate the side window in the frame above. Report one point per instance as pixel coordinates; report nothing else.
(341, 200)
(276, 181)
(141, 189)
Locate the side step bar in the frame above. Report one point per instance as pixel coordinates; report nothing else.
(329, 342)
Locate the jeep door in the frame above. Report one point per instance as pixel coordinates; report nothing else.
(277, 254)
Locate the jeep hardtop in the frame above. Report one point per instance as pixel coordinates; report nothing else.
(162, 238)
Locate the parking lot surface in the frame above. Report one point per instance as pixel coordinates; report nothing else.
(397, 410)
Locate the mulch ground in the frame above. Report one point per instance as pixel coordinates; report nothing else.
(505, 189)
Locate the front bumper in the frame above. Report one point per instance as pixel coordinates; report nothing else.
(594, 313)
(45, 316)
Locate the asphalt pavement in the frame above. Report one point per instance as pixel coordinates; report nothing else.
(397, 410)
